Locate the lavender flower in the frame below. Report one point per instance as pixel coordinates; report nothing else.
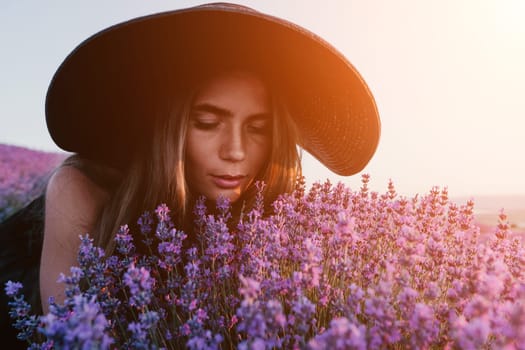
(341, 335)
(140, 284)
(84, 328)
(12, 288)
(328, 268)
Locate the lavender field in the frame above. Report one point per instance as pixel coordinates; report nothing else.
(23, 174)
(326, 267)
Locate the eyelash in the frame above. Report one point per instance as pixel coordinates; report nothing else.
(205, 125)
(260, 130)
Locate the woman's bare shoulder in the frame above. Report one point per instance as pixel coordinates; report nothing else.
(73, 205)
(74, 196)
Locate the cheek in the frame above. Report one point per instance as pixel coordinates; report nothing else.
(260, 155)
(195, 163)
(195, 151)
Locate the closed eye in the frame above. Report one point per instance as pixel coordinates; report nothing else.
(205, 125)
(259, 128)
(260, 124)
(205, 120)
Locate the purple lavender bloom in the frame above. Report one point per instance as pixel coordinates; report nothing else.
(124, 241)
(145, 223)
(205, 341)
(88, 254)
(162, 212)
(12, 288)
(424, 327)
(140, 284)
(84, 328)
(341, 335)
(223, 206)
(72, 281)
(20, 312)
(250, 289)
(139, 336)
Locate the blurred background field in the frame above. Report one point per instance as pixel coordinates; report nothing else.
(23, 175)
(488, 208)
(24, 172)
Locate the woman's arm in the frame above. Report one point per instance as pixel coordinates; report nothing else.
(73, 203)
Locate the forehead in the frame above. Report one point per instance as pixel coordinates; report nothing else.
(233, 85)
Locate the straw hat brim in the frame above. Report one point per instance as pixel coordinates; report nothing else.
(101, 98)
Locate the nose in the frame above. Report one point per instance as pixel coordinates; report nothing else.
(233, 146)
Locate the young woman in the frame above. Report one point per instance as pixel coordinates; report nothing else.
(204, 101)
(227, 137)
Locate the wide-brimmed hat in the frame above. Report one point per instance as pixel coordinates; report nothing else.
(101, 99)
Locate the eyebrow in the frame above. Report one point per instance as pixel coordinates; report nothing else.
(223, 112)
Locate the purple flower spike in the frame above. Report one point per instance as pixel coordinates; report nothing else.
(140, 284)
(162, 212)
(12, 288)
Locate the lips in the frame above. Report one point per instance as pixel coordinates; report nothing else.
(228, 181)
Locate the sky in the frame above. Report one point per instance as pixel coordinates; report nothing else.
(448, 77)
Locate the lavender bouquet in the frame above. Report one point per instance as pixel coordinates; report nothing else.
(330, 268)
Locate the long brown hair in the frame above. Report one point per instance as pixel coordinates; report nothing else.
(157, 175)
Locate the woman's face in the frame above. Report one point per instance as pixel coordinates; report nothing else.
(229, 135)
